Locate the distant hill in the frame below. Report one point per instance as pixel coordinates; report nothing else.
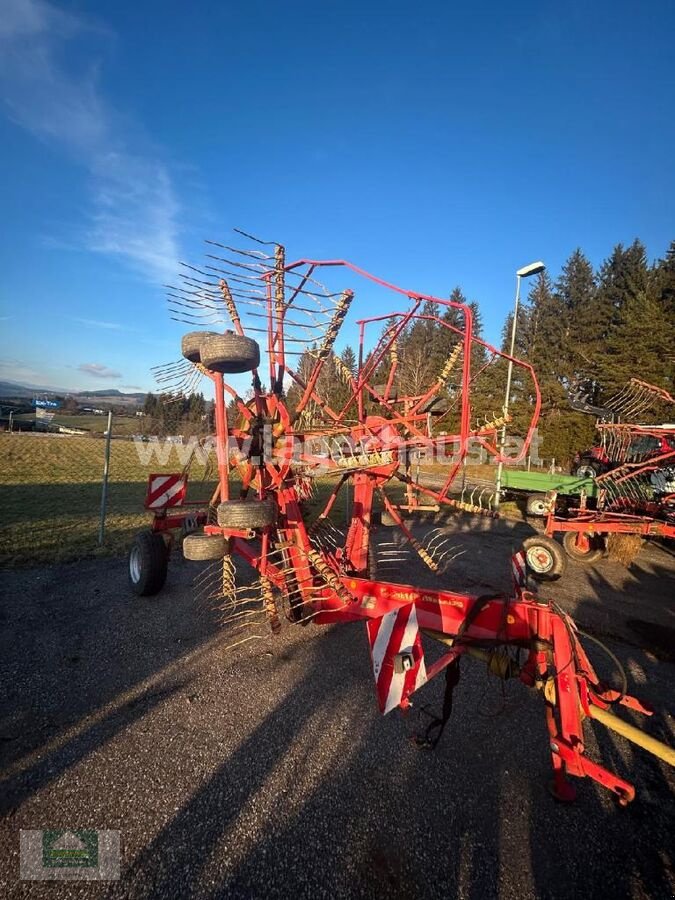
(18, 391)
(140, 395)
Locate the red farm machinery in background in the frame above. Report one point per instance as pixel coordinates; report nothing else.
(296, 434)
(634, 472)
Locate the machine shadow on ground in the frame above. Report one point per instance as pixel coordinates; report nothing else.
(325, 793)
(310, 791)
(72, 653)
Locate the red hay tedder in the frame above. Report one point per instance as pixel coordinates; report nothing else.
(635, 484)
(289, 430)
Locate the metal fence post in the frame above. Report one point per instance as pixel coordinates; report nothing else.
(104, 488)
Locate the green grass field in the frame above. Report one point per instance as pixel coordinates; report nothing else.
(50, 496)
(98, 424)
(95, 424)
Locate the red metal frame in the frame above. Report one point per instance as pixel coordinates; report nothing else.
(329, 585)
(177, 509)
(626, 502)
(588, 523)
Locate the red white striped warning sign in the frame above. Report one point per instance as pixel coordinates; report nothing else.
(397, 656)
(165, 490)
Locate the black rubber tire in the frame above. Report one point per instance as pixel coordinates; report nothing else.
(593, 554)
(246, 513)
(546, 560)
(587, 468)
(230, 353)
(536, 505)
(373, 565)
(200, 546)
(148, 563)
(191, 343)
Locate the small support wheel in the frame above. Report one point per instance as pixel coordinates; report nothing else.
(246, 513)
(545, 558)
(148, 563)
(229, 353)
(191, 343)
(200, 546)
(537, 505)
(372, 561)
(583, 547)
(587, 468)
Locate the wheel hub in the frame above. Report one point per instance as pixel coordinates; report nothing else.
(135, 565)
(539, 559)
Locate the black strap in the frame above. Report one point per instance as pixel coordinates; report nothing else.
(427, 741)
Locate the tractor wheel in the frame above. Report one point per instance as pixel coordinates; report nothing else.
(200, 546)
(583, 547)
(246, 513)
(545, 558)
(587, 468)
(230, 353)
(191, 343)
(537, 505)
(148, 563)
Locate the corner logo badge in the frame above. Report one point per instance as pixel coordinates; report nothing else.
(69, 848)
(69, 854)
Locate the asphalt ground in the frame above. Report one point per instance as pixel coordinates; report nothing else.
(266, 770)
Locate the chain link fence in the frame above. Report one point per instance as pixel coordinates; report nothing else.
(51, 490)
(54, 506)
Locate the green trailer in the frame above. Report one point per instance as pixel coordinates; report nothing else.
(536, 485)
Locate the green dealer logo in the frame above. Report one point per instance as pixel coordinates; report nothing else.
(62, 848)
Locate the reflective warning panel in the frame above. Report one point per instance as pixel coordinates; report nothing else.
(165, 490)
(397, 656)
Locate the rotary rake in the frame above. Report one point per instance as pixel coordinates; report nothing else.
(635, 496)
(311, 422)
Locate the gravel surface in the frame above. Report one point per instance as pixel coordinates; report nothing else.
(266, 770)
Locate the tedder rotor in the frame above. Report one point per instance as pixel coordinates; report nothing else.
(292, 418)
(634, 485)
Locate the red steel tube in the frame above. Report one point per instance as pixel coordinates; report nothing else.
(221, 437)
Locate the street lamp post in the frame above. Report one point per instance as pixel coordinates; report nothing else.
(533, 269)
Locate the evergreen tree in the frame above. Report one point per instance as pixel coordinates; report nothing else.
(640, 344)
(150, 405)
(664, 281)
(453, 316)
(348, 357)
(576, 289)
(623, 280)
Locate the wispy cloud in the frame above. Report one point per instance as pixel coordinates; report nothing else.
(15, 370)
(98, 370)
(97, 323)
(134, 210)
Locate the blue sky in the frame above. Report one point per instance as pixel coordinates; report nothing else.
(434, 144)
